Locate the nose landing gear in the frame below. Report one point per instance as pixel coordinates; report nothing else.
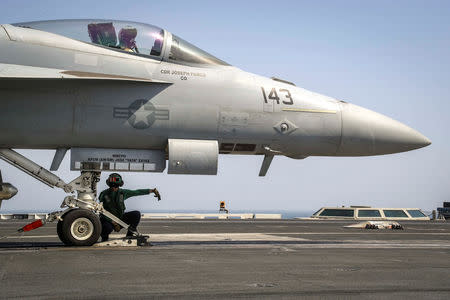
(79, 224)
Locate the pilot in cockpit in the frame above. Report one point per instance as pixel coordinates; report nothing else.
(105, 34)
(127, 39)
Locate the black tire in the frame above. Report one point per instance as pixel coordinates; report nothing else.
(80, 227)
(60, 233)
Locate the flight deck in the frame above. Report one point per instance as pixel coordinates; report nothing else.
(233, 258)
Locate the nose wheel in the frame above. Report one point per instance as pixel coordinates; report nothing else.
(79, 227)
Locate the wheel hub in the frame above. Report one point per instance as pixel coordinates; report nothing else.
(81, 229)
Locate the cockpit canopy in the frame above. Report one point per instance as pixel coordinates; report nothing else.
(130, 37)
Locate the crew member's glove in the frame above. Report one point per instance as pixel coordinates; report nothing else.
(157, 194)
(117, 227)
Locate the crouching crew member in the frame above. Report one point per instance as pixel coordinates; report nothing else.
(114, 201)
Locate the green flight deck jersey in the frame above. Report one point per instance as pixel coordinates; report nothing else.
(114, 202)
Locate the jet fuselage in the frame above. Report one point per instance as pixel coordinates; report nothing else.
(59, 92)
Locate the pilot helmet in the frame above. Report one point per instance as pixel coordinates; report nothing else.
(114, 180)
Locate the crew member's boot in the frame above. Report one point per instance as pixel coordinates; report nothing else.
(130, 233)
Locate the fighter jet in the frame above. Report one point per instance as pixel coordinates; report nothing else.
(126, 96)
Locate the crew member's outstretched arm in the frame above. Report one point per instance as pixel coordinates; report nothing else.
(132, 193)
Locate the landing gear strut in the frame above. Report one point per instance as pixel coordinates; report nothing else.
(79, 224)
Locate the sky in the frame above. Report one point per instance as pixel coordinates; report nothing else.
(388, 56)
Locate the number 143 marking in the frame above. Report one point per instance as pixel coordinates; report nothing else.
(273, 95)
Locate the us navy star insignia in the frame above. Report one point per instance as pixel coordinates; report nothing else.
(141, 114)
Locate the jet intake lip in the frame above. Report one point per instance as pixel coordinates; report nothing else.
(365, 132)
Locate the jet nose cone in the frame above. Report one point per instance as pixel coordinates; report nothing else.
(365, 132)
